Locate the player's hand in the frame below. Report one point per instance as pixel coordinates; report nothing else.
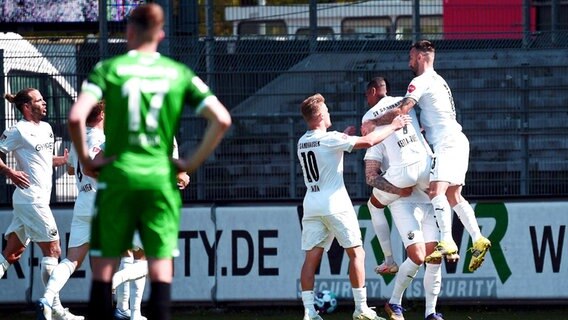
(19, 178)
(182, 180)
(350, 131)
(405, 192)
(91, 167)
(401, 121)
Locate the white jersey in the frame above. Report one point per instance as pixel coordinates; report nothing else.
(321, 157)
(86, 185)
(402, 148)
(32, 145)
(433, 95)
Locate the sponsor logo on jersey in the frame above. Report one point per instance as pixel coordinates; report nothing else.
(410, 235)
(411, 88)
(44, 146)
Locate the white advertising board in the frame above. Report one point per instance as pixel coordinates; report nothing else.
(253, 253)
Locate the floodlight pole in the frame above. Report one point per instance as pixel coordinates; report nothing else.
(416, 33)
(103, 29)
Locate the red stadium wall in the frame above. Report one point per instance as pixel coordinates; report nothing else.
(463, 19)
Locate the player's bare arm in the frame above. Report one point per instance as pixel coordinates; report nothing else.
(405, 105)
(19, 178)
(375, 180)
(376, 137)
(61, 160)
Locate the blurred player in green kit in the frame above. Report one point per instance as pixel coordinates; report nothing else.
(145, 93)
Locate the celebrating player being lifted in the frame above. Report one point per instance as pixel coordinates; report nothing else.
(328, 211)
(451, 150)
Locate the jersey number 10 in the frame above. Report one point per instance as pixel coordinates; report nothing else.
(310, 165)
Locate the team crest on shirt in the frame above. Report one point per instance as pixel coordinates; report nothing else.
(411, 88)
(410, 235)
(53, 232)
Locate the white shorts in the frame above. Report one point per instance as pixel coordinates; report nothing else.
(407, 176)
(84, 203)
(319, 231)
(80, 230)
(415, 222)
(384, 197)
(81, 233)
(34, 222)
(451, 160)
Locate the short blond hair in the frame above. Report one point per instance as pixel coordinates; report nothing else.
(310, 107)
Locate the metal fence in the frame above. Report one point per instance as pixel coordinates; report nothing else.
(509, 84)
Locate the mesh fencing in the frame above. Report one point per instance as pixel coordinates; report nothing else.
(508, 82)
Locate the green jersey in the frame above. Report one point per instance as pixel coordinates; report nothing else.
(144, 95)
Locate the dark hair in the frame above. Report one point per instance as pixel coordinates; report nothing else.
(19, 99)
(96, 111)
(376, 83)
(310, 106)
(424, 46)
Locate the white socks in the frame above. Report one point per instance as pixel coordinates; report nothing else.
(4, 265)
(467, 217)
(406, 273)
(59, 277)
(48, 264)
(130, 269)
(122, 287)
(443, 213)
(308, 298)
(381, 227)
(132, 273)
(140, 266)
(432, 285)
(360, 298)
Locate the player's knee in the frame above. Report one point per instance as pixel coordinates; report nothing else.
(53, 250)
(356, 253)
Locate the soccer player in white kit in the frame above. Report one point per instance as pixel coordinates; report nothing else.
(82, 214)
(32, 143)
(414, 219)
(328, 211)
(451, 149)
(410, 166)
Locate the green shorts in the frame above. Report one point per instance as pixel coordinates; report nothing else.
(118, 212)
